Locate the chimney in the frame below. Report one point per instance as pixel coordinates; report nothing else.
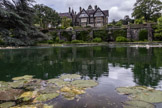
(96, 7)
(80, 9)
(69, 9)
(72, 11)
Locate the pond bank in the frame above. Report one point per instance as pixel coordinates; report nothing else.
(131, 44)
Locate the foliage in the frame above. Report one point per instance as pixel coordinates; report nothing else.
(83, 35)
(61, 41)
(50, 41)
(45, 16)
(16, 23)
(97, 40)
(57, 39)
(158, 31)
(66, 22)
(121, 39)
(53, 34)
(119, 23)
(77, 41)
(148, 9)
(127, 20)
(139, 21)
(101, 34)
(67, 35)
(143, 35)
(1, 42)
(117, 33)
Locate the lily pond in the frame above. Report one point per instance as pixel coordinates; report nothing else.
(112, 76)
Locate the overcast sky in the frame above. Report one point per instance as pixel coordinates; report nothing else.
(117, 8)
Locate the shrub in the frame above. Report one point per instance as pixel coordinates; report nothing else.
(61, 41)
(97, 40)
(103, 34)
(53, 35)
(83, 35)
(117, 33)
(1, 42)
(67, 35)
(158, 31)
(77, 41)
(50, 41)
(121, 39)
(57, 39)
(143, 35)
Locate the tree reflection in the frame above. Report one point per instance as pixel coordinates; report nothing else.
(93, 62)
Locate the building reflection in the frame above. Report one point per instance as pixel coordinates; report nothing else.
(93, 62)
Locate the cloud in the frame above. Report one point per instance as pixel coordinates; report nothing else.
(117, 8)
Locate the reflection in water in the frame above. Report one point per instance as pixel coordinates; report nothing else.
(129, 65)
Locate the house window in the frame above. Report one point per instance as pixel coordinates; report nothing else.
(91, 20)
(83, 20)
(99, 19)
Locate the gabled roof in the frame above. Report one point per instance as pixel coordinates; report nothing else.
(100, 10)
(82, 11)
(67, 14)
(106, 12)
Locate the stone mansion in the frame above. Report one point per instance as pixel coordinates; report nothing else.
(94, 17)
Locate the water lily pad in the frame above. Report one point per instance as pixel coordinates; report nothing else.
(137, 104)
(49, 89)
(58, 82)
(154, 96)
(18, 84)
(46, 97)
(70, 76)
(84, 83)
(4, 86)
(133, 90)
(26, 77)
(34, 84)
(34, 106)
(28, 95)
(71, 92)
(69, 95)
(11, 94)
(7, 104)
(47, 106)
(26, 106)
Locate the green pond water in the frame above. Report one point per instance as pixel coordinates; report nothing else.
(110, 66)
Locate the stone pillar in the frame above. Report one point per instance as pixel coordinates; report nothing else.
(59, 34)
(91, 34)
(150, 32)
(129, 37)
(73, 35)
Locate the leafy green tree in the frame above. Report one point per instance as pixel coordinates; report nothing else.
(16, 23)
(45, 16)
(158, 31)
(149, 9)
(66, 22)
